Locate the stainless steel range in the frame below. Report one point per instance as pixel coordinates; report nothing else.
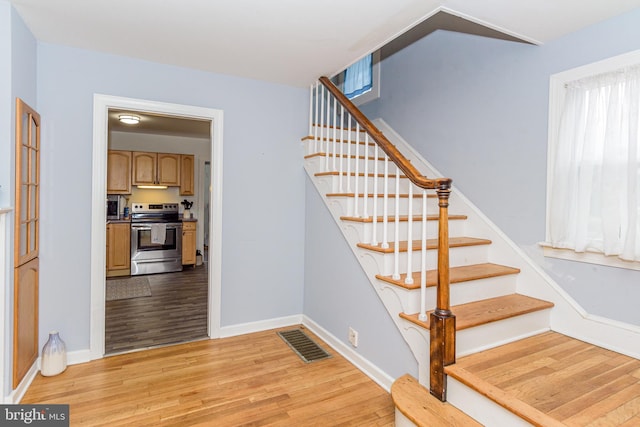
(156, 238)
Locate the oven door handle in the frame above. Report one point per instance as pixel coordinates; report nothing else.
(148, 227)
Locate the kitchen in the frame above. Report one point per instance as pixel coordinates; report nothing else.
(157, 235)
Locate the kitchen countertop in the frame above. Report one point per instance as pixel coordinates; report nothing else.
(118, 221)
(127, 220)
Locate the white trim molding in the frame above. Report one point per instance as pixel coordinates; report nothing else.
(369, 369)
(588, 257)
(259, 326)
(101, 106)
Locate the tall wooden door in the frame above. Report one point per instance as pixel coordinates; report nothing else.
(26, 241)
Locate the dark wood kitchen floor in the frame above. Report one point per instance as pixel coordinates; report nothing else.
(175, 312)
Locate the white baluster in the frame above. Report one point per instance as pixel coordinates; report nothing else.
(374, 232)
(423, 268)
(349, 163)
(340, 177)
(365, 198)
(409, 277)
(396, 250)
(321, 124)
(327, 145)
(310, 110)
(357, 171)
(315, 121)
(385, 205)
(335, 130)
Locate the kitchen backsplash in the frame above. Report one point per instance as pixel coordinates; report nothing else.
(170, 195)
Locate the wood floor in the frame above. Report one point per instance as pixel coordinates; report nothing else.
(175, 312)
(249, 380)
(556, 380)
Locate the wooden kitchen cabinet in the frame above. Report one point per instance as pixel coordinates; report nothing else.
(189, 243)
(118, 172)
(187, 171)
(118, 249)
(155, 169)
(169, 169)
(144, 170)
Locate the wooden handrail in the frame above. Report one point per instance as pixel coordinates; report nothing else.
(374, 133)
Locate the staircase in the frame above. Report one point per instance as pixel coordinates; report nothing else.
(497, 295)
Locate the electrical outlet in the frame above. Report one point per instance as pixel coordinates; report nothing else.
(353, 337)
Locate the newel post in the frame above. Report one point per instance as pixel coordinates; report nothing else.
(442, 321)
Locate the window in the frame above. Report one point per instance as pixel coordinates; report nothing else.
(361, 81)
(358, 78)
(593, 201)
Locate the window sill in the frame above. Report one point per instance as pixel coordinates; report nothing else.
(588, 257)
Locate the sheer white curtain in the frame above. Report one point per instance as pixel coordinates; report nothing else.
(594, 204)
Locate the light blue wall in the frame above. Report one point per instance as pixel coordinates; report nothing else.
(5, 182)
(17, 79)
(263, 184)
(338, 294)
(6, 108)
(477, 109)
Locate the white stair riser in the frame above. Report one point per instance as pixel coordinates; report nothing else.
(332, 185)
(475, 290)
(480, 408)
(326, 164)
(461, 293)
(348, 206)
(402, 421)
(312, 147)
(494, 334)
(328, 131)
(457, 257)
(364, 231)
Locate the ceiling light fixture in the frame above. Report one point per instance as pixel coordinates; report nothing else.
(129, 119)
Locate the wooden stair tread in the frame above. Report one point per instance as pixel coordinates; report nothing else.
(403, 218)
(416, 245)
(418, 405)
(488, 310)
(554, 380)
(460, 274)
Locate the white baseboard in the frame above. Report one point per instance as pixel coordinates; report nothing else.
(259, 326)
(369, 369)
(80, 356)
(16, 395)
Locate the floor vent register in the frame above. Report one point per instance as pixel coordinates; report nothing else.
(304, 346)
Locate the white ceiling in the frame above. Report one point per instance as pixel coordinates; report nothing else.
(160, 124)
(285, 41)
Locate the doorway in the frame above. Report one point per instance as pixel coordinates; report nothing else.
(102, 105)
